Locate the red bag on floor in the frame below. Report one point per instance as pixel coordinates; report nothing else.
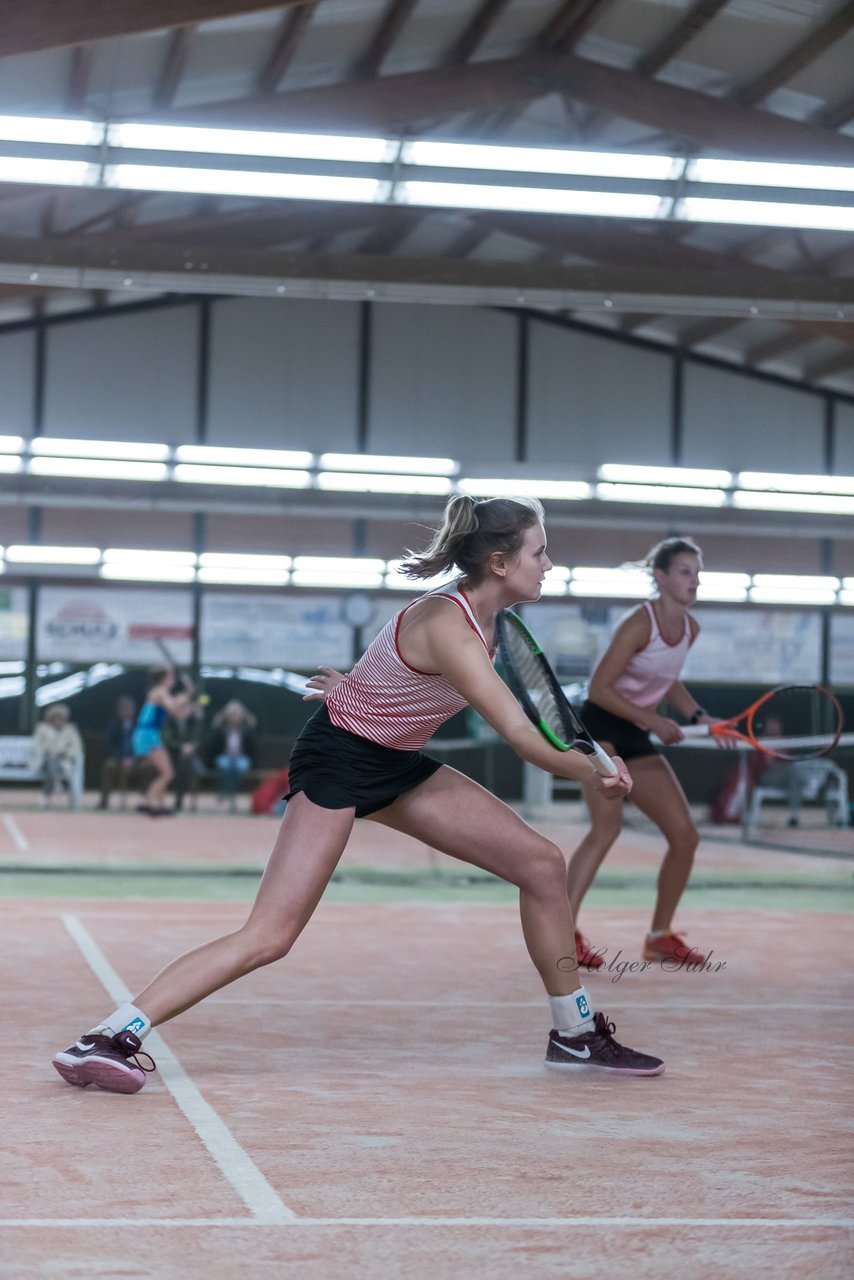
(266, 797)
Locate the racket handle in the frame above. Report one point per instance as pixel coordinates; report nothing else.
(603, 763)
(696, 730)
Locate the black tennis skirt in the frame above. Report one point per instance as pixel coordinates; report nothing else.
(628, 740)
(338, 770)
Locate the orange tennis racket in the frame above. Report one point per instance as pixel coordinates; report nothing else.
(792, 722)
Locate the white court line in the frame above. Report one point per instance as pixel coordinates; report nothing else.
(232, 1161)
(15, 832)
(805, 1006)
(845, 1224)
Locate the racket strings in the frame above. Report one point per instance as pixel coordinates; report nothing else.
(529, 671)
(797, 723)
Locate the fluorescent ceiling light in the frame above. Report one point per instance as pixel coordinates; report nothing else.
(54, 447)
(152, 572)
(74, 133)
(848, 584)
(553, 587)
(97, 469)
(789, 483)
(701, 477)
(189, 473)
(590, 581)
(22, 554)
(753, 173)
(244, 577)
(488, 487)
(397, 581)
(558, 573)
(339, 564)
(135, 555)
(240, 560)
(723, 586)
(251, 142)
(59, 173)
(244, 457)
(362, 482)
(11, 444)
(606, 164)
(796, 581)
(822, 504)
(9, 464)
(661, 494)
(463, 195)
(317, 578)
(238, 182)
(767, 213)
(845, 597)
(15, 668)
(387, 462)
(792, 595)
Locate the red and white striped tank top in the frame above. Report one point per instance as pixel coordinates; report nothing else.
(390, 702)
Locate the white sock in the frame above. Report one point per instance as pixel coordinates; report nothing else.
(126, 1018)
(571, 1015)
(658, 933)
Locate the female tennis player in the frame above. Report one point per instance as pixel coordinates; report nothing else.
(160, 702)
(638, 671)
(360, 756)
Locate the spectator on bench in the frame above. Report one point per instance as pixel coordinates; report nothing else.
(119, 759)
(231, 748)
(57, 755)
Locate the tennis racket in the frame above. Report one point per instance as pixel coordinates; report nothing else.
(792, 722)
(536, 687)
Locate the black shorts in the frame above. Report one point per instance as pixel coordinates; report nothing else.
(337, 769)
(628, 740)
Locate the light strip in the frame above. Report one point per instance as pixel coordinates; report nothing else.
(352, 578)
(262, 477)
(387, 462)
(251, 142)
(792, 595)
(692, 476)
(213, 454)
(241, 560)
(58, 173)
(242, 182)
(363, 482)
(754, 173)
(789, 483)
(244, 577)
(38, 554)
(796, 581)
(152, 572)
(661, 494)
(822, 504)
(602, 164)
(9, 464)
(766, 213)
(52, 446)
(97, 469)
(138, 555)
(464, 195)
(338, 564)
(11, 444)
(75, 133)
(489, 487)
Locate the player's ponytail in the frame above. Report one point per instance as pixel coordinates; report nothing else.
(470, 533)
(662, 555)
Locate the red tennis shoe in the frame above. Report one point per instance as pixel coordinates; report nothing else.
(673, 947)
(585, 955)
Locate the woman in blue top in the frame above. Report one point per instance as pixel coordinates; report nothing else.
(160, 702)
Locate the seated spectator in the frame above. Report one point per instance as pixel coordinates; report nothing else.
(57, 755)
(182, 738)
(118, 752)
(231, 748)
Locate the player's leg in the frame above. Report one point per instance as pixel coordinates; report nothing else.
(606, 823)
(308, 846)
(156, 791)
(453, 814)
(658, 795)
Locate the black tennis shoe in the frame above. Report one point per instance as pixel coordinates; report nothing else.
(597, 1049)
(109, 1061)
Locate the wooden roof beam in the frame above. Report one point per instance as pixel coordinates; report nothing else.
(173, 68)
(391, 24)
(805, 52)
(475, 32)
(282, 54)
(698, 16)
(819, 370)
(29, 25)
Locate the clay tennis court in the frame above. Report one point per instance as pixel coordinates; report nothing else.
(377, 1102)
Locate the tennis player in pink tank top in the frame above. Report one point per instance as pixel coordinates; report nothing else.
(361, 756)
(637, 672)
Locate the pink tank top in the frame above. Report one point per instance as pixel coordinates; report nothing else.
(655, 667)
(386, 700)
